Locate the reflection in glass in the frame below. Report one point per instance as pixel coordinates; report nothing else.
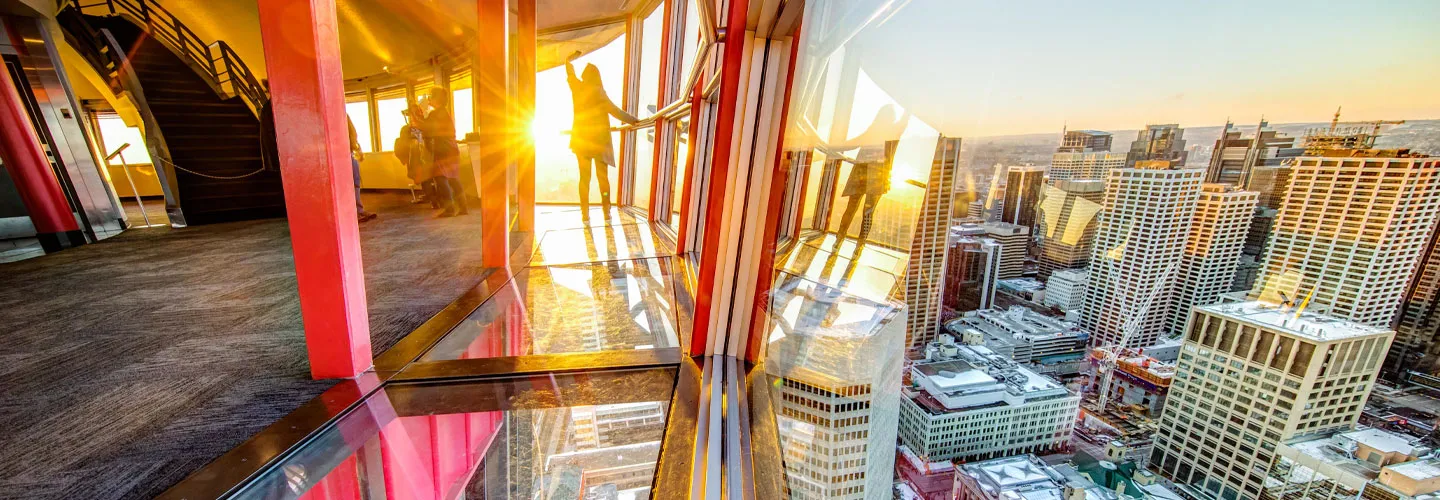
(833, 364)
(589, 435)
(590, 307)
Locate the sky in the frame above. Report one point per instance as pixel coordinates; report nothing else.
(973, 68)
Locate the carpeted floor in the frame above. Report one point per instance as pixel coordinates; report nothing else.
(127, 364)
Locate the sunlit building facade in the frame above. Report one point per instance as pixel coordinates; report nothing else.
(1212, 253)
(1158, 143)
(1252, 375)
(1082, 166)
(1068, 218)
(925, 275)
(1144, 228)
(1351, 229)
(1014, 241)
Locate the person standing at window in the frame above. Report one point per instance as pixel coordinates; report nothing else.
(355, 156)
(438, 129)
(590, 131)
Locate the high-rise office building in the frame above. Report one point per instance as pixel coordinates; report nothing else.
(833, 386)
(1217, 232)
(1022, 192)
(1144, 227)
(1014, 240)
(924, 276)
(1158, 143)
(1252, 375)
(1417, 333)
(1083, 165)
(1236, 156)
(1350, 232)
(972, 267)
(1067, 218)
(1084, 141)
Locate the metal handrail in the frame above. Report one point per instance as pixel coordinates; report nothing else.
(216, 60)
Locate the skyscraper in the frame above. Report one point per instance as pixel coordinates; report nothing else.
(1252, 375)
(834, 384)
(1084, 141)
(1144, 226)
(1217, 232)
(1350, 232)
(1022, 191)
(1417, 333)
(1014, 240)
(971, 268)
(1158, 143)
(1068, 216)
(1235, 156)
(924, 277)
(1083, 166)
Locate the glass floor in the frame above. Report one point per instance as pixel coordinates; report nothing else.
(566, 380)
(581, 435)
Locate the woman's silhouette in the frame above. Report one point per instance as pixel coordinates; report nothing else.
(590, 132)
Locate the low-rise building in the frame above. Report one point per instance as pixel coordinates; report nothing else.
(1350, 464)
(1024, 477)
(1050, 344)
(1066, 289)
(972, 403)
(926, 480)
(1138, 379)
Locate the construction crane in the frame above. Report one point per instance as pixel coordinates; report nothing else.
(1112, 355)
(1376, 124)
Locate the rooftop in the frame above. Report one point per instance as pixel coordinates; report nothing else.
(1305, 325)
(1418, 470)
(1380, 440)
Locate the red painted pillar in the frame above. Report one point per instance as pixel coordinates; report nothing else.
(524, 51)
(55, 225)
(302, 54)
(491, 84)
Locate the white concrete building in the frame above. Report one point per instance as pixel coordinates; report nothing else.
(976, 404)
(1084, 166)
(1066, 289)
(1217, 234)
(1251, 376)
(1021, 334)
(1144, 227)
(1350, 232)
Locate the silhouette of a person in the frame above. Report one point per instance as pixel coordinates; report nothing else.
(590, 131)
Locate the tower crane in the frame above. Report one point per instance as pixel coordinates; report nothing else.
(1112, 355)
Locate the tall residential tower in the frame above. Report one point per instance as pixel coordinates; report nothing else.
(1217, 232)
(1144, 228)
(1350, 232)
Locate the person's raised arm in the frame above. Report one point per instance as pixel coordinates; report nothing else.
(570, 68)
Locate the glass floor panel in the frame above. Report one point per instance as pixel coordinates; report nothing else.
(872, 271)
(579, 435)
(591, 307)
(598, 243)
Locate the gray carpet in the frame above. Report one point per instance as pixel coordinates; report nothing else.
(130, 363)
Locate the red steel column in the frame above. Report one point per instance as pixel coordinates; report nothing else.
(524, 51)
(302, 54)
(732, 60)
(491, 79)
(39, 189)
